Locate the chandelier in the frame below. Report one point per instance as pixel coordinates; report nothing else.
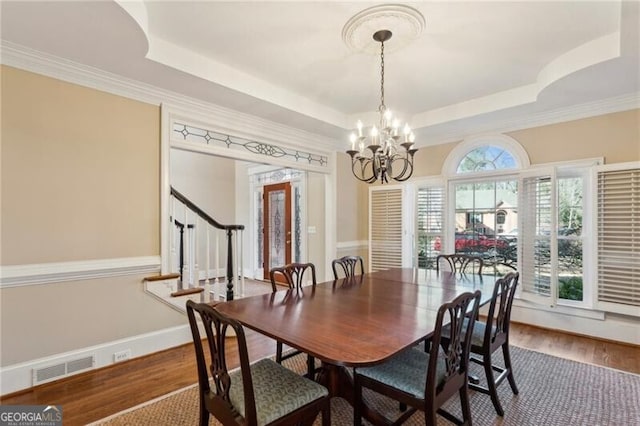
(381, 154)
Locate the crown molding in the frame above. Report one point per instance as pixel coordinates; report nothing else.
(21, 57)
(526, 121)
(31, 60)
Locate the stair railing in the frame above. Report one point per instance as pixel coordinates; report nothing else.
(189, 234)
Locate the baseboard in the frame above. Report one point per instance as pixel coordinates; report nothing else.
(17, 377)
(609, 328)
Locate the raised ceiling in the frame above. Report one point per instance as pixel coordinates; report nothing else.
(477, 66)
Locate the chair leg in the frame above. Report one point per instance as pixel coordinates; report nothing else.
(507, 364)
(464, 405)
(204, 415)
(279, 352)
(311, 367)
(326, 414)
(430, 418)
(491, 384)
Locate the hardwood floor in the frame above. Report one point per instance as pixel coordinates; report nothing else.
(94, 395)
(91, 396)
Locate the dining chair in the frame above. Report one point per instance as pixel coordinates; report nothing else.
(262, 393)
(348, 265)
(460, 262)
(425, 381)
(491, 334)
(294, 275)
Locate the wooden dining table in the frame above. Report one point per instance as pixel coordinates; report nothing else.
(358, 321)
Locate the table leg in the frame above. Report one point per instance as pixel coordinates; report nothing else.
(340, 384)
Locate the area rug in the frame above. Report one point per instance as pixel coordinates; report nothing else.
(553, 391)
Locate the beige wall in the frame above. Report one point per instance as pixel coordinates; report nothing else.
(352, 202)
(80, 181)
(206, 180)
(44, 320)
(316, 218)
(616, 137)
(80, 172)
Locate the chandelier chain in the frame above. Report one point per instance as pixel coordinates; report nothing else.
(382, 106)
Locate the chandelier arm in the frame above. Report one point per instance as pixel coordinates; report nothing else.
(408, 166)
(404, 166)
(363, 165)
(373, 176)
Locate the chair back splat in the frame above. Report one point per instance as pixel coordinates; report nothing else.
(404, 376)
(460, 262)
(348, 265)
(294, 274)
(259, 394)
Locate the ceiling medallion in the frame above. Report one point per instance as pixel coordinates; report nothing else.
(406, 24)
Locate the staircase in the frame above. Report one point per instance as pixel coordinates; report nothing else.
(199, 246)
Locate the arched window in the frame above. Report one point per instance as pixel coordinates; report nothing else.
(486, 158)
(485, 154)
(483, 189)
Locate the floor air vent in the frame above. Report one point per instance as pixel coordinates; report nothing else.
(63, 369)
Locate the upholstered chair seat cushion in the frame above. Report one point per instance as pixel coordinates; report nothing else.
(406, 371)
(278, 391)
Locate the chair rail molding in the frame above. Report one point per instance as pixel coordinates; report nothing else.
(43, 273)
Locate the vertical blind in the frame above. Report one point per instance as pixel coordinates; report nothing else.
(619, 237)
(385, 229)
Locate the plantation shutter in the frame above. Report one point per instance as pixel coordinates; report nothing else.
(618, 221)
(430, 209)
(538, 242)
(385, 228)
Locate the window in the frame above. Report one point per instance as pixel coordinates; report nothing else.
(570, 209)
(573, 244)
(430, 209)
(520, 218)
(482, 210)
(486, 158)
(551, 243)
(501, 217)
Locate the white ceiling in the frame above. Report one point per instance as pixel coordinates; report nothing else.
(478, 66)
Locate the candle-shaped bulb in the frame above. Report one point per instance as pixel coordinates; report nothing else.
(396, 124)
(412, 137)
(359, 124)
(353, 138)
(374, 135)
(406, 131)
